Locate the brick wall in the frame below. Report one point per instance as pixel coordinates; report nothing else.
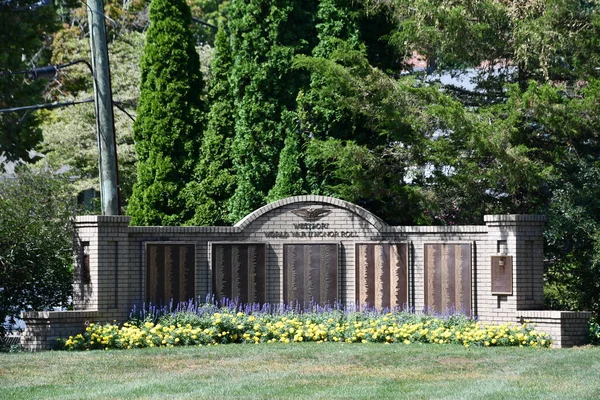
(44, 328)
(114, 279)
(567, 328)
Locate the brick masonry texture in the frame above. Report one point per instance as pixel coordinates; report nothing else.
(111, 262)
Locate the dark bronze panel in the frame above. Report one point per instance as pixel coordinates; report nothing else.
(238, 272)
(189, 271)
(170, 273)
(399, 275)
(502, 275)
(256, 274)
(310, 273)
(447, 277)
(381, 275)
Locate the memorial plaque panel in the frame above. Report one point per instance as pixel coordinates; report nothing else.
(448, 277)
(502, 275)
(310, 273)
(170, 273)
(238, 272)
(381, 275)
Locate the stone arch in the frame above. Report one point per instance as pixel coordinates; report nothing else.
(372, 219)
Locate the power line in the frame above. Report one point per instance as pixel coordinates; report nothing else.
(201, 22)
(56, 104)
(47, 106)
(47, 71)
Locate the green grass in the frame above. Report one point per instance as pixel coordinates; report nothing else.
(308, 370)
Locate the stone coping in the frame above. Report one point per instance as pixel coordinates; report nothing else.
(515, 218)
(184, 229)
(376, 222)
(121, 219)
(50, 315)
(554, 314)
(450, 229)
(361, 212)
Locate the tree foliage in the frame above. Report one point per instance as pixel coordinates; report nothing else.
(167, 130)
(70, 133)
(214, 178)
(573, 276)
(70, 138)
(265, 36)
(528, 142)
(363, 101)
(36, 239)
(25, 35)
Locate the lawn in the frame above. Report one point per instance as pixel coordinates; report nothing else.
(308, 370)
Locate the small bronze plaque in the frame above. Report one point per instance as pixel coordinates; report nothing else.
(502, 275)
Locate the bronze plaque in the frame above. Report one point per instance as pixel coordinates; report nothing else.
(239, 272)
(381, 275)
(502, 275)
(170, 273)
(310, 274)
(448, 277)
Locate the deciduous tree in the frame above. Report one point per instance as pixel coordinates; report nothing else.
(25, 36)
(36, 239)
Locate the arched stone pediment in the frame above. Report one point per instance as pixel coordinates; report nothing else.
(308, 210)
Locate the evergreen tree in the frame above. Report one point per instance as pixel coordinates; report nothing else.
(322, 108)
(213, 177)
(335, 23)
(25, 33)
(265, 36)
(291, 170)
(167, 130)
(352, 117)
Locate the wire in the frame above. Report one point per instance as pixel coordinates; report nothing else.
(120, 107)
(198, 20)
(39, 72)
(101, 13)
(50, 106)
(47, 106)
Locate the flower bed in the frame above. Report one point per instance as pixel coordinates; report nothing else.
(221, 327)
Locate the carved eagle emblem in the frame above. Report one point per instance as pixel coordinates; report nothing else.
(311, 214)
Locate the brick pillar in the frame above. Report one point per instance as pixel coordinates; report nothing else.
(102, 272)
(520, 236)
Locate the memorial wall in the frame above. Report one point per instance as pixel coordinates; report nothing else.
(311, 250)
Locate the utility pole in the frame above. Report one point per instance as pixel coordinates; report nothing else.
(109, 193)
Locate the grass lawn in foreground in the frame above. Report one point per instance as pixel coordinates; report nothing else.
(308, 370)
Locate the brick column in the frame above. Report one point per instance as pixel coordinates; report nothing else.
(520, 236)
(102, 273)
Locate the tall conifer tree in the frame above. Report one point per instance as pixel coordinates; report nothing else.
(168, 130)
(214, 177)
(265, 37)
(319, 114)
(291, 171)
